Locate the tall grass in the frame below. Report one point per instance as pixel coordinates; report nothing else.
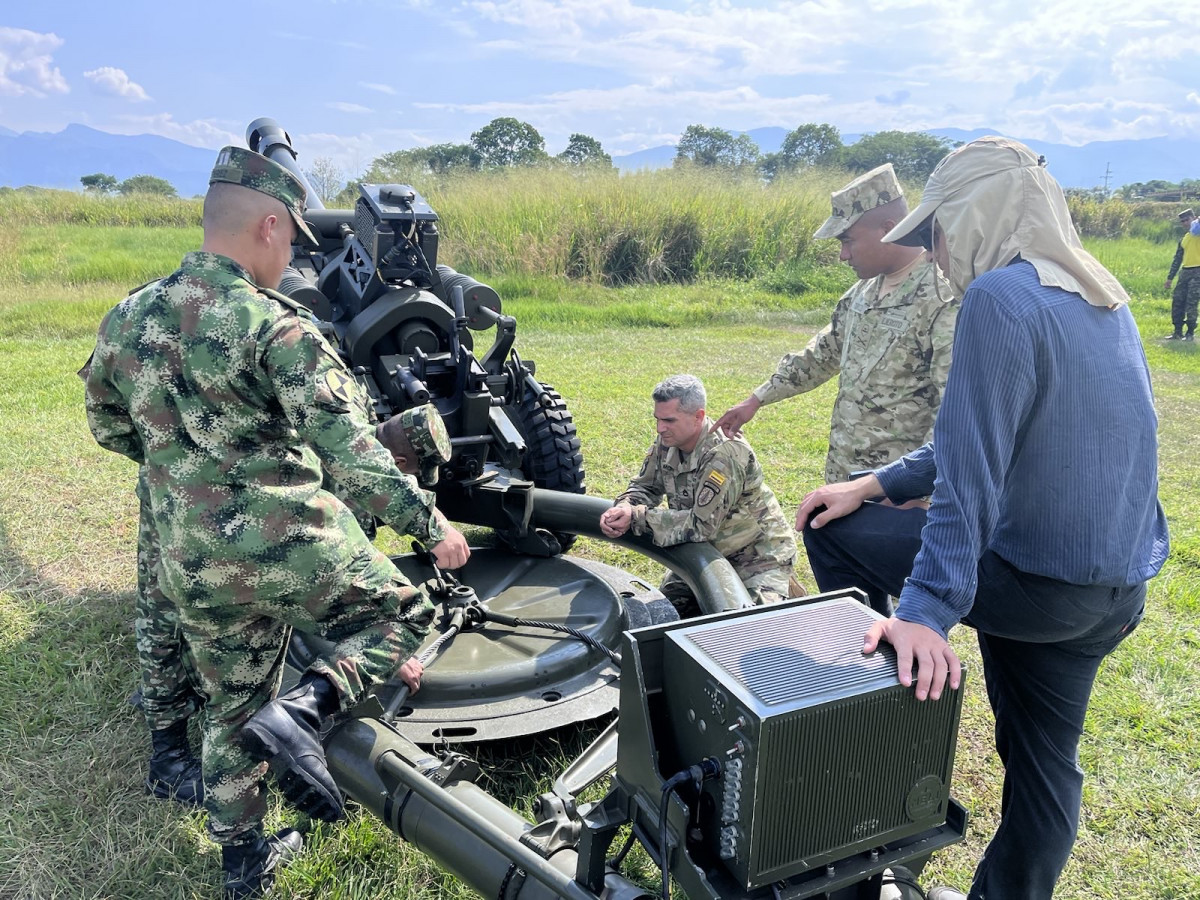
(652, 227)
(647, 227)
(37, 206)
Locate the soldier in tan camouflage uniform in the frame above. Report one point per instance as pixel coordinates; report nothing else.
(890, 338)
(230, 398)
(714, 489)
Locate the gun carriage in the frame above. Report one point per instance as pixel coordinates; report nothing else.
(756, 753)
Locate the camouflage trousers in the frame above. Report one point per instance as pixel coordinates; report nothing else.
(238, 651)
(1185, 298)
(167, 694)
(766, 581)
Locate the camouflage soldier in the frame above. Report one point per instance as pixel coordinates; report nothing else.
(168, 698)
(1186, 296)
(890, 338)
(165, 694)
(235, 405)
(418, 442)
(715, 492)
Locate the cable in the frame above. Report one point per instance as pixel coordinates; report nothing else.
(709, 767)
(664, 852)
(617, 860)
(514, 622)
(402, 694)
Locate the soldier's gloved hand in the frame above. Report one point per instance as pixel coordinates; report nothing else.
(452, 551)
(736, 416)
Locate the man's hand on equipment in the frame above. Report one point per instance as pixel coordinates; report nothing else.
(839, 500)
(736, 416)
(936, 662)
(615, 520)
(452, 551)
(410, 673)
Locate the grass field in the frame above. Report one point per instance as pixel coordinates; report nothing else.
(73, 820)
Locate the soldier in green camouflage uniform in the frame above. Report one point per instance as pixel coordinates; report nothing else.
(233, 402)
(168, 696)
(165, 695)
(890, 338)
(714, 489)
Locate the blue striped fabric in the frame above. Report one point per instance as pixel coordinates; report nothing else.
(1044, 450)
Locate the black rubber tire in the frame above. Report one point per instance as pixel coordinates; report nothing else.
(553, 458)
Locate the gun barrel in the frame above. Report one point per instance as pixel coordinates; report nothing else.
(266, 136)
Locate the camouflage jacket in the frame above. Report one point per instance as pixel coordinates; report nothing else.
(893, 353)
(715, 494)
(235, 404)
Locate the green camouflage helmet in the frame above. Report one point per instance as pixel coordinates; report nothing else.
(253, 170)
(426, 432)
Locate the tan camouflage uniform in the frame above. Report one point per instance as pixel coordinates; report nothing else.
(716, 494)
(892, 351)
(235, 404)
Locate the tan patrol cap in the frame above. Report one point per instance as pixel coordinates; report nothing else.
(864, 193)
(236, 165)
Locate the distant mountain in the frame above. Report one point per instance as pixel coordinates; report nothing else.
(60, 160)
(1125, 162)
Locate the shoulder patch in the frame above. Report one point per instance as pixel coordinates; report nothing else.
(340, 384)
(713, 482)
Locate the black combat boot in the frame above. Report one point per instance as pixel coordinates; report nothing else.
(174, 772)
(250, 867)
(286, 733)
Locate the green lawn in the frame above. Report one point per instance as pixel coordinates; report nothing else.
(74, 822)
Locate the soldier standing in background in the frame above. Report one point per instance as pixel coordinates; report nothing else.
(715, 492)
(1186, 296)
(233, 402)
(890, 338)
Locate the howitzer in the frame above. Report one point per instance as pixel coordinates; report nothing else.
(756, 752)
(405, 325)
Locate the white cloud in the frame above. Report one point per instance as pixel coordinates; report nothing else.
(382, 88)
(342, 106)
(706, 43)
(207, 133)
(114, 81)
(27, 63)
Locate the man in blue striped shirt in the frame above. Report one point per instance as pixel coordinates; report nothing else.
(1044, 522)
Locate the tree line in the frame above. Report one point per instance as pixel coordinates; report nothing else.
(507, 142)
(100, 183)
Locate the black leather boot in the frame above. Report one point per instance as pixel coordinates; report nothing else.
(250, 867)
(286, 733)
(174, 773)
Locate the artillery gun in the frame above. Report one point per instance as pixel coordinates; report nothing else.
(756, 753)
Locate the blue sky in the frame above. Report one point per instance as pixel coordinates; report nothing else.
(351, 79)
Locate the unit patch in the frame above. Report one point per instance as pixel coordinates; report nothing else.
(711, 487)
(339, 384)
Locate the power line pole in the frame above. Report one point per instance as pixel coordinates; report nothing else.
(1107, 176)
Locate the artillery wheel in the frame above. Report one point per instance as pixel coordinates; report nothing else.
(553, 459)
